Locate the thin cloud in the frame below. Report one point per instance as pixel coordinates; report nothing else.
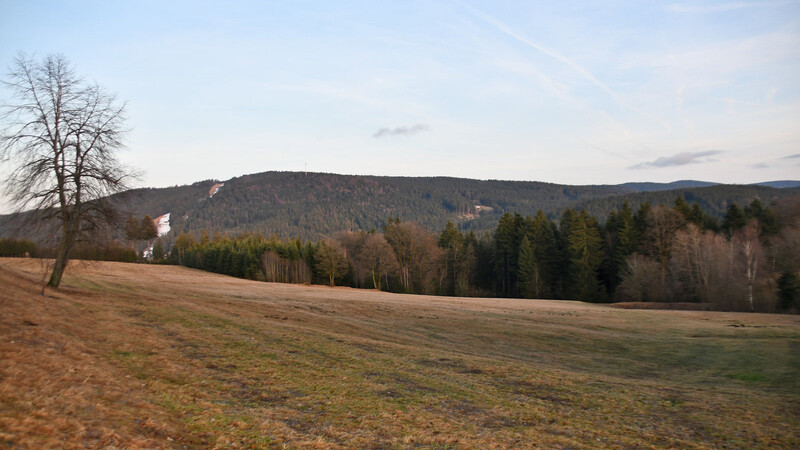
(722, 7)
(681, 159)
(402, 131)
(559, 57)
(782, 161)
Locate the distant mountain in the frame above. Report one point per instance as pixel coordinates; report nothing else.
(316, 205)
(714, 199)
(688, 184)
(781, 184)
(654, 187)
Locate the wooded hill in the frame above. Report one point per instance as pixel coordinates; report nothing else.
(313, 206)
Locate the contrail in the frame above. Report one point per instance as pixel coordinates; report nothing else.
(558, 56)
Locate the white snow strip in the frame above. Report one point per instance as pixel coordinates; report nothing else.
(214, 189)
(162, 224)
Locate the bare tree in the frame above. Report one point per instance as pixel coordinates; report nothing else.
(662, 224)
(378, 258)
(284, 270)
(331, 260)
(641, 280)
(61, 137)
(701, 267)
(418, 256)
(747, 239)
(353, 244)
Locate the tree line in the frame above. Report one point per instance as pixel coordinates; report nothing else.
(662, 253)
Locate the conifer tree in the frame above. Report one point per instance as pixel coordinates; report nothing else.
(682, 207)
(133, 230)
(148, 229)
(586, 256)
(158, 250)
(542, 237)
(620, 241)
(452, 242)
(735, 219)
(530, 277)
(507, 237)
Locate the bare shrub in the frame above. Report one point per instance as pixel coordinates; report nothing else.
(642, 281)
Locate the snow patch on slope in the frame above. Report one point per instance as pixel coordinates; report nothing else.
(214, 189)
(162, 224)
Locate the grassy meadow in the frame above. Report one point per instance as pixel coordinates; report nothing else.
(136, 356)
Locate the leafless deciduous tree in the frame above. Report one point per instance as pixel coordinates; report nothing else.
(747, 239)
(60, 137)
(641, 280)
(331, 260)
(702, 268)
(663, 223)
(417, 254)
(379, 259)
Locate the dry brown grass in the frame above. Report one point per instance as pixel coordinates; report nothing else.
(151, 356)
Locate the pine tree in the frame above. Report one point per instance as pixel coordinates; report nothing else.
(621, 241)
(452, 242)
(133, 230)
(541, 233)
(148, 229)
(507, 237)
(182, 244)
(530, 279)
(682, 207)
(735, 219)
(586, 256)
(158, 250)
(766, 218)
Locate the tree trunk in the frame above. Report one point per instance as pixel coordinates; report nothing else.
(62, 253)
(62, 258)
(376, 279)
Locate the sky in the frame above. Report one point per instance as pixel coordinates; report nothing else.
(596, 92)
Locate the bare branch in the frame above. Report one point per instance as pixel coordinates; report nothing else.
(61, 137)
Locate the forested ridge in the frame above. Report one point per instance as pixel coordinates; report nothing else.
(316, 205)
(313, 206)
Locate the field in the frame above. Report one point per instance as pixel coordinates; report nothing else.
(134, 356)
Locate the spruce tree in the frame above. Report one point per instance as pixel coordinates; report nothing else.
(586, 256)
(735, 219)
(452, 242)
(507, 237)
(529, 274)
(148, 229)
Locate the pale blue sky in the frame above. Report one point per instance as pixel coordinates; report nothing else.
(596, 92)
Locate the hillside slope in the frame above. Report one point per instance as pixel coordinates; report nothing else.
(150, 356)
(316, 205)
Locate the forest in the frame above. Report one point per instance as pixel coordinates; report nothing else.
(668, 254)
(299, 205)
